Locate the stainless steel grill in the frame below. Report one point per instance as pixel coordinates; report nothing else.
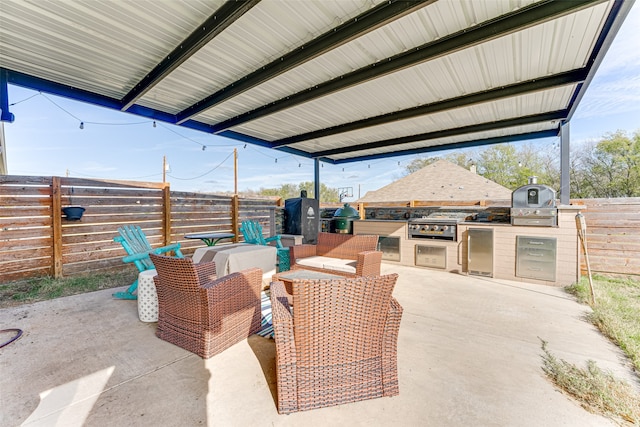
(437, 225)
(535, 205)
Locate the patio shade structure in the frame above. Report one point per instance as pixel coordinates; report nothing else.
(331, 80)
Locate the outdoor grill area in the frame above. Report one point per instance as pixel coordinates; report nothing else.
(446, 238)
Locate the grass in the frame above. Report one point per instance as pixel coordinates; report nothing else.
(45, 288)
(598, 391)
(616, 311)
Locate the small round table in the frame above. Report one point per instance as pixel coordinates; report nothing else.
(210, 239)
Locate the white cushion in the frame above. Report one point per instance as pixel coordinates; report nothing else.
(328, 263)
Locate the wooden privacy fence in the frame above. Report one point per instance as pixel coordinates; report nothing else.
(37, 240)
(613, 235)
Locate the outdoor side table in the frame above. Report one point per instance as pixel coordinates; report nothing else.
(210, 239)
(147, 297)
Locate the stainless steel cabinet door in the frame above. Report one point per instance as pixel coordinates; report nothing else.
(480, 252)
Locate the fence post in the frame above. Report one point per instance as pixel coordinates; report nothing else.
(56, 222)
(166, 214)
(235, 206)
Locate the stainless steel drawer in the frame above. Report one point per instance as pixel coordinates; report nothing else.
(431, 256)
(536, 258)
(548, 243)
(390, 247)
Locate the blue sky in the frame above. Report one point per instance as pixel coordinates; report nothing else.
(45, 139)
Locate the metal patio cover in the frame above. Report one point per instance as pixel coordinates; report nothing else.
(333, 80)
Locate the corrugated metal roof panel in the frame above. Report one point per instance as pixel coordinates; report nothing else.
(104, 47)
(467, 71)
(266, 32)
(434, 21)
(119, 54)
(534, 103)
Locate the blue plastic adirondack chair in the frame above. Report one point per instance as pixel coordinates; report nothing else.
(135, 243)
(252, 232)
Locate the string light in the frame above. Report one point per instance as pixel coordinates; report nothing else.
(204, 147)
(245, 146)
(276, 160)
(154, 123)
(81, 125)
(299, 165)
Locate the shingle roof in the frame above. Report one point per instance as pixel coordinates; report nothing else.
(439, 181)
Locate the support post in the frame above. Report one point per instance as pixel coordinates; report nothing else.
(235, 171)
(5, 115)
(234, 217)
(235, 203)
(565, 184)
(56, 222)
(166, 214)
(316, 179)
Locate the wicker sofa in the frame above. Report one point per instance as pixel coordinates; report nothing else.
(345, 254)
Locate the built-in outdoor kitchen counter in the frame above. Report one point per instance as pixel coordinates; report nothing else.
(484, 241)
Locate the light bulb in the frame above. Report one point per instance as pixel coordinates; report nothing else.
(81, 125)
(204, 147)
(276, 160)
(154, 123)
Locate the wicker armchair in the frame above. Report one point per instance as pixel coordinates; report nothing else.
(202, 313)
(340, 343)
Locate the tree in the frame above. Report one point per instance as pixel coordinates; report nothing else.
(504, 164)
(499, 163)
(461, 158)
(611, 168)
(419, 163)
(290, 191)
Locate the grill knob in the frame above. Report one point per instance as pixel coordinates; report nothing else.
(435, 228)
(445, 227)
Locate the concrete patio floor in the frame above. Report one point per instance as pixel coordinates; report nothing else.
(469, 354)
